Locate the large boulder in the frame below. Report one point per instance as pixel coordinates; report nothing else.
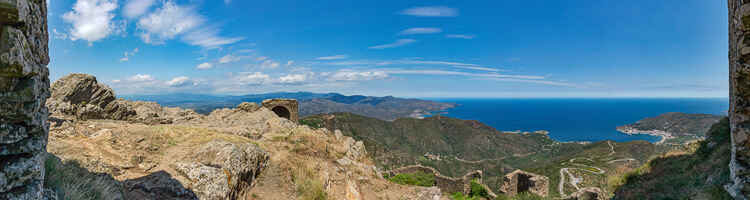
(82, 96)
(81, 89)
(222, 170)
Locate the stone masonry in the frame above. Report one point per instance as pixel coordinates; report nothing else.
(520, 181)
(24, 88)
(285, 108)
(446, 184)
(739, 97)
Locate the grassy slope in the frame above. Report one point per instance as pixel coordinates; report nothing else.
(699, 173)
(404, 142)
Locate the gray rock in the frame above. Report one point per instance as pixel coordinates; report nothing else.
(24, 87)
(739, 97)
(222, 170)
(248, 107)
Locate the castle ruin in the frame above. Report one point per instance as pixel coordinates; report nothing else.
(519, 181)
(285, 108)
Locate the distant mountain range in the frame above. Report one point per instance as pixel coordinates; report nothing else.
(384, 108)
(675, 127)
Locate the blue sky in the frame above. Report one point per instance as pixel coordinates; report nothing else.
(402, 48)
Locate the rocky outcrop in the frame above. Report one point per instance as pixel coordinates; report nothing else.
(739, 97)
(83, 97)
(221, 170)
(589, 193)
(519, 181)
(24, 87)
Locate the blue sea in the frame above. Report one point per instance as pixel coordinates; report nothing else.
(578, 119)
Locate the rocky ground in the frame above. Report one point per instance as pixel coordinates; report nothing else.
(145, 151)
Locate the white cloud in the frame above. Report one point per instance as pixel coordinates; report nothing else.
(543, 82)
(252, 78)
(431, 11)
(205, 65)
(293, 78)
(336, 57)
(269, 64)
(128, 55)
(136, 8)
(420, 30)
(180, 81)
(261, 58)
(398, 43)
(289, 63)
(167, 22)
(460, 36)
(141, 78)
(91, 19)
(229, 59)
(349, 75)
(227, 2)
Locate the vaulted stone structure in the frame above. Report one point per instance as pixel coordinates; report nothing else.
(286, 108)
(519, 181)
(739, 96)
(24, 88)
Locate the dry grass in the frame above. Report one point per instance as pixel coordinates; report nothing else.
(72, 182)
(307, 183)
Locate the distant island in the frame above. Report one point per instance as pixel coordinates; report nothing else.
(673, 127)
(385, 108)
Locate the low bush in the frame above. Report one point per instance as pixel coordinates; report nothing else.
(417, 178)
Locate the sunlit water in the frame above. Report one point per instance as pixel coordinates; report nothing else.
(578, 119)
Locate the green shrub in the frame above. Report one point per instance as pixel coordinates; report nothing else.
(477, 190)
(312, 122)
(417, 178)
(461, 196)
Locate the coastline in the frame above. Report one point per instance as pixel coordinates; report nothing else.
(658, 133)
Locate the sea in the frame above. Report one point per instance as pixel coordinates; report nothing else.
(570, 119)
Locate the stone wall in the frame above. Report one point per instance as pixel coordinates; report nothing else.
(739, 96)
(520, 181)
(286, 108)
(446, 184)
(24, 87)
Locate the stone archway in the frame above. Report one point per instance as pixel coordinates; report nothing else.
(285, 108)
(281, 111)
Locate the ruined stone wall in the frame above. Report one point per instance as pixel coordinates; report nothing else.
(446, 184)
(519, 181)
(291, 106)
(739, 96)
(24, 88)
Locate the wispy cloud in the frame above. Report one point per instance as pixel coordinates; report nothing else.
(229, 58)
(420, 30)
(172, 20)
(460, 36)
(431, 11)
(136, 8)
(59, 35)
(91, 19)
(141, 78)
(479, 68)
(336, 57)
(269, 64)
(457, 73)
(398, 43)
(167, 22)
(350, 75)
(128, 55)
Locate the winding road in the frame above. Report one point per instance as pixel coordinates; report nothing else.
(574, 181)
